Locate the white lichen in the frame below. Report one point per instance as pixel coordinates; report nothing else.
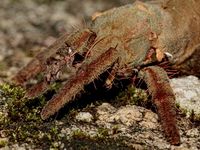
(187, 93)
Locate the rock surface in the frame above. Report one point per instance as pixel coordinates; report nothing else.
(187, 93)
(27, 26)
(84, 116)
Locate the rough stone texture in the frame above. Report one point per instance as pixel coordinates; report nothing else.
(24, 146)
(140, 125)
(84, 116)
(187, 93)
(125, 115)
(26, 27)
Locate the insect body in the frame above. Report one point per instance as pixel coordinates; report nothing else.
(136, 37)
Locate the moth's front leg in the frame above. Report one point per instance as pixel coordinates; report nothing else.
(163, 97)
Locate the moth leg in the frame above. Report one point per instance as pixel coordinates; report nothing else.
(163, 97)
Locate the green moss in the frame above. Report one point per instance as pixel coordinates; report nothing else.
(102, 133)
(20, 108)
(3, 143)
(103, 140)
(23, 124)
(2, 67)
(195, 118)
(192, 116)
(131, 96)
(115, 129)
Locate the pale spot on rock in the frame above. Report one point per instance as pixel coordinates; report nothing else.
(84, 116)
